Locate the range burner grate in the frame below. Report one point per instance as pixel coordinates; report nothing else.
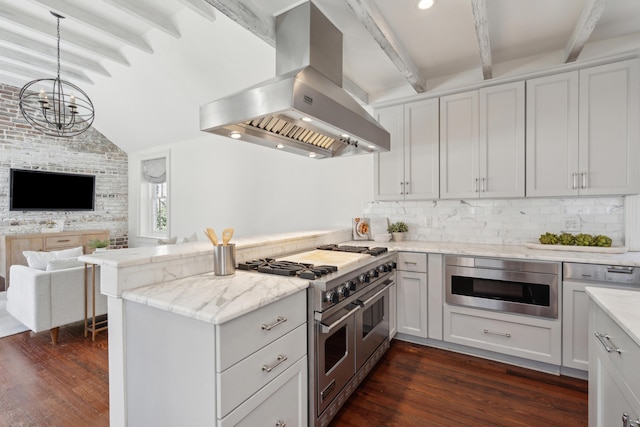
(287, 268)
(355, 249)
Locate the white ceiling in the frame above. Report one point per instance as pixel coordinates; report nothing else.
(149, 64)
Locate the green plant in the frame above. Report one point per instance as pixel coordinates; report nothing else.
(97, 243)
(397, 227)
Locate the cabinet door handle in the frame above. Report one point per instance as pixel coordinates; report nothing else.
(602, 337)
(401, 187)
(502, 334)
(406, 187)
(279, 320)
(584, 179)
(483, 186)
(475, 185)
(574, 177)
(281, 423)
(268, 368)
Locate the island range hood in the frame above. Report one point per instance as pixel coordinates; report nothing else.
(304, 109)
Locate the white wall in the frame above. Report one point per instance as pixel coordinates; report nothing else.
(219, 182)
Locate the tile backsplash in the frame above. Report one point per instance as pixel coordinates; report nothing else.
(513, 221)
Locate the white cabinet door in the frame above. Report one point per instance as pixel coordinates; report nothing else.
(410, 170)
(421, 150)
(412, 303)
(502, 140)
(459, 146)
(575, 328)
(609, 128)
(552, 135)
(389, 167)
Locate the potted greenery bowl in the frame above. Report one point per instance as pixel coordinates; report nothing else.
(98, 245)
(397, 230)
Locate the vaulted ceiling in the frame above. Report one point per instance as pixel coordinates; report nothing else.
(149, 64)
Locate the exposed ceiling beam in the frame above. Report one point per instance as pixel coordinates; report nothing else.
(261, 25)
(43, 64)
(591, 13)
(25, 43)
(27, 72)
(109, 28)
(479, 9)
(201, 8)
(370, 16)
(48, 28)
(148, 14)
(264, 27)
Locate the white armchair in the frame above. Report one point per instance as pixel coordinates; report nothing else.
(46, 300)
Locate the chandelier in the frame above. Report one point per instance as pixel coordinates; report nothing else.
(56, 107)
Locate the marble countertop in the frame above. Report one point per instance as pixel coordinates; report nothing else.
(509, 251)
(622, 305)
(216, 299)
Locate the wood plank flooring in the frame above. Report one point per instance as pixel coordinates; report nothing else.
(67, 385)
(422, 386)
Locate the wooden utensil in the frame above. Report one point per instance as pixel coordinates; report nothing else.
(227, 233)
(212, 236)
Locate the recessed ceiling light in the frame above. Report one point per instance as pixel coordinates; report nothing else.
(425, 4)
(280, 146)
(312, 154)
(307, 119)
(235, 135)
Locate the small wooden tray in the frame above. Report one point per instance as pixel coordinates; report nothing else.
(576, 248)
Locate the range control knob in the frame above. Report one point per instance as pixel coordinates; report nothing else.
(363, 278)
(351, 285)
(373, 273)
(391, 265)
(344, 291)
(383, 268)
(332, 297)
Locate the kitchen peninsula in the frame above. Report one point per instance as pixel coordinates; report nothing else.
(163, 297)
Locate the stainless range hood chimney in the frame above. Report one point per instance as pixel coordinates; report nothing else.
(304, 109)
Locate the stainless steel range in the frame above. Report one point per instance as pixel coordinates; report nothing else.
(348, 320)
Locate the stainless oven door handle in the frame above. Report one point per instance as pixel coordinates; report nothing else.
(387, 285)
(328, 328)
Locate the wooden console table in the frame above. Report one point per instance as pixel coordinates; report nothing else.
(12, 246)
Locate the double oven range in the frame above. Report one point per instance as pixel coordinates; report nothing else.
(348, 320)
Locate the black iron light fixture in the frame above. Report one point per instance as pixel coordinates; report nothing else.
(56, 107)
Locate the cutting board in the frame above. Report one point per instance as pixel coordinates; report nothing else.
(319, 257)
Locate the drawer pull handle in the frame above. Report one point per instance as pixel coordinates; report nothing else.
(63, 240)
(279, 320)
(602, 337)
(502, 334)
(269, 368)
(411, 262)
(281, 423)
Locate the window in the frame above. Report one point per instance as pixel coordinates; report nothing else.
(154, 212)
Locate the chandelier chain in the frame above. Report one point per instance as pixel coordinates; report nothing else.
(58, 18)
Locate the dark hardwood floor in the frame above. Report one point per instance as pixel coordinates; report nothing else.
(67, 385)
(42, 384)
(422, 386)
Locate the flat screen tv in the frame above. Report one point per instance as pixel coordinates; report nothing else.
(51, 191)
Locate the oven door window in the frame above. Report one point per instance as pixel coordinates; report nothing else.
(527, 293)
(372, 316)
(335, 348)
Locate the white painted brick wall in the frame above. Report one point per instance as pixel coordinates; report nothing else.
(90, 153)
(514, 221)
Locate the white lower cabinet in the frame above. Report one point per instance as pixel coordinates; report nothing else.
(283, 402)
(412, 294)
(522, 336)
(575, 329)
(614, 382)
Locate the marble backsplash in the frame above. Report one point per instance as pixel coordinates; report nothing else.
(513, 221)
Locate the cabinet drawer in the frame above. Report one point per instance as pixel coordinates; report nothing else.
(627, 360)
(242, 336)
(522, 336)
(63, 241)
(412, 261)
(283, 400)
(245, 378)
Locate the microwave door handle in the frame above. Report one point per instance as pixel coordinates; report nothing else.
(376, 295)
(328, 328)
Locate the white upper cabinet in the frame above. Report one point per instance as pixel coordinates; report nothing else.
(482, 143)
(609, 129)
(552, 135)
(410, 170)
(583, 132)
